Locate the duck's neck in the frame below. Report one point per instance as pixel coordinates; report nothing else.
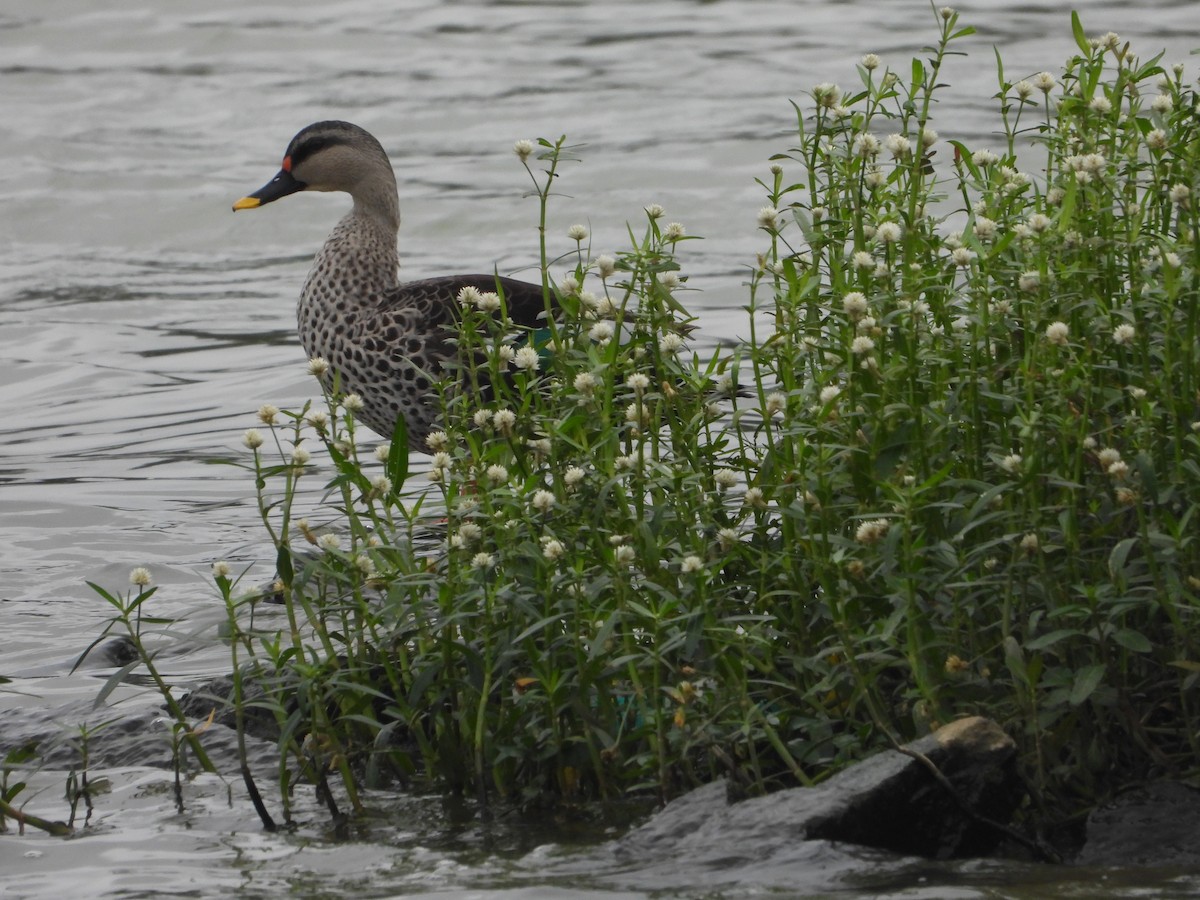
(357, 263)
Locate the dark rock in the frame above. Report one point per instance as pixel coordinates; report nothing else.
(1155, 825)
(890, 801)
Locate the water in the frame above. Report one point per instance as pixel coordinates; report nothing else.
(142, 323)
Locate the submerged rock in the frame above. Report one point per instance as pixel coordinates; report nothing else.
(1154, 825)
(890, 801)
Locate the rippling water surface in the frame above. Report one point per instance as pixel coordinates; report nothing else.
(141, 323)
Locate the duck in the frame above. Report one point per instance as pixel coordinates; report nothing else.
(389, 341)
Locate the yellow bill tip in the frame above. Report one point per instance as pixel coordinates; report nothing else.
(247, 203)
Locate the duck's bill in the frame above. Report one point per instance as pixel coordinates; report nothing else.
(279, 186)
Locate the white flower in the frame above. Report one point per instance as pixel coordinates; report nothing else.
(725, 478)
(829, 393)
(381, 484)
(888, 232)
(482, 418)
(827, 94)
(655, 211)
(585, 383)
(1024, 89)
(577, 233)
(601, 332)
(482, 560)
(504, 355)
(1124, 334)
(1030, 543)
(1162, 104)
(267, 414)
(962, 256)
(862, 260)
(488, 302)
(300, 456)
(1058, 333)
(252, 438)
(673, 232)
(862, 345)
(754, 497)
(435, 440)
(929, 137)
(670, 342)
(638, 382)
(527, 359)
(985, 228)
(690, 564)
(768, 217)
(1157, 139)
(542, 501)
(625, 555)
(870, 62)
(352, 403)
(1011, 463)
(1039, 222)
(552, 549)
(318, 419)
(1101, 104)
(573, 476)
(865, 145)
(470, 532)
(1044, 82)
(329, 541)
(776, 403)
(897, 145)
(855, 304)
(727, 538)
(523, 149)
(1118, 470)
(1179, 194)
(984, 157)
(318, 366)
(606, 267)
(503, 420)
(496, 473)
(1029, 281)
(140, 576)
(872, 531)
(469, 296)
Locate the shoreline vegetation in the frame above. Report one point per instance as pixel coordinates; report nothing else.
(952, 471)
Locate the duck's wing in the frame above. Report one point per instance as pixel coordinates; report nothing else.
(434, 301)
(412, 325)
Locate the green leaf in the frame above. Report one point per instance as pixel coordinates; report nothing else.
(1081, 39)
(397, 461)
(283, 565)
(1050, 639)
(1116, 559)
(1087, 680)
(1132, 640)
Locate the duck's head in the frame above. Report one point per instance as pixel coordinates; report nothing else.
(328, 156)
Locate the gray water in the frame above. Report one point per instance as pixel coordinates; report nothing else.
(141, 324)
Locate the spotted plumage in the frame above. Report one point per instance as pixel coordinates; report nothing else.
(388, 341)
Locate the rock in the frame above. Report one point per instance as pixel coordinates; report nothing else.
(890, 801)
(1154, 825)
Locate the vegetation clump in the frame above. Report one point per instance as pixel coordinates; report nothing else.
(953, 470)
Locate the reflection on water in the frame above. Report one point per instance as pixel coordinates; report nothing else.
(142, 323)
